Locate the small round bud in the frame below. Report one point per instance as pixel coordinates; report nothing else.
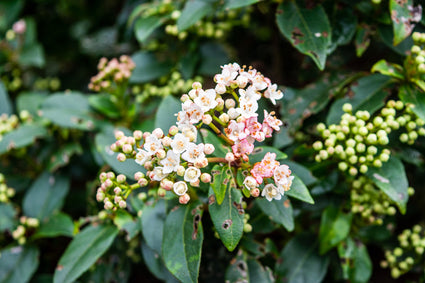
(347, 107)
(352, 171)
(342, 166)
(318, 145)
(230, 157)
(208, 148)
(127, 148)
(377, 163)
(119, 135)
(117, 191)
(158, 133)
(363, 168)
(205, 178)
(230, 103)
(247, 228)
(184, 199)
(320, 127)
(142, 182)
(255, 192)
(224, 118)
(161, 192)
(206, 119)
(122, 204)
(137, 135)
(173, 130)
(108, 205)
(121, 157)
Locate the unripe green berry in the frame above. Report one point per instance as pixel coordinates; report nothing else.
(353, 159)
(350, 143)
(323, 154)
(320, 127)
(377, 163)
(347, 107)
(360, 147)
(317, 145)
(353, 171)
(350, 151)
(398, 252)
(372, 150)
(404, 137)
(363, 131)
(342, 166)
(340, 136)
(421, 68)
(362, 159)
(413, 135)
(363, 169)
(371, 139)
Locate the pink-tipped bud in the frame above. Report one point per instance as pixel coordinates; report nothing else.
(137, 135)
(220, 104)
(166, 141)
(102, 177)
(100, 196)
(161, 192)
(196, 85)
(122, 204)
(142, 182)
(166, 184)
(220, 88)
(208, 148)
(180, 170)
(173, 130)
(206, 119)
(184, 199)
(146, 135)
(161, 154)
(121, 178)
(158, 133)
(108, 205)
(117, 190)
(230, 103)
(138, 176)
(108, 183)
(114, 147)
(255, 192)
(230, 157)
(19, 27)
(131, 140)
(148, 165)
(195, 184)
(127, 148)
(184, 98)
(119, 135)
(121, 157)
(205, 178)
(110, 175)
(201, 163)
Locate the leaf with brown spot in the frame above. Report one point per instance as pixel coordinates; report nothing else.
(404, 16)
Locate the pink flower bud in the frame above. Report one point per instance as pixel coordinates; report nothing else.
(19, 27)
(100, 196)
(201, 163)
(146, 135)
(138, 176)
(196, 85)
(127, 148)
(184, 98)
(195, 184)
(121, 178)
(131, 140)
(117, 190)
(158, 133)
(119, 135)
(142, 182)
(137, 135)
(184, 199)
(230, 157)
(173, 130)
(255, 192)
(121, 157)
(114, 147)
(102, 176)
(108, 183)
(161, 192)
(148, 165)
(205, 178)
(108, 205)
(166, 184)
(110, 175)
(166, 141)
(122, 204)
(208, 148)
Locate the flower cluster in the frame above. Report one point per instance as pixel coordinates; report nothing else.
(417, 56)
(5, 192)
(359, 140)
(177, 161)
(410, 251)
(26, 226)
(115, 71)
(8, 123)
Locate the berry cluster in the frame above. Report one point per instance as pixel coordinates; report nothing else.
(417, 56)
(26, 226)
(5, 192)
(112, 73)
(408, 253)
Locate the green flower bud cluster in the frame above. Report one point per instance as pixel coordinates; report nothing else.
(413, 125)
(246, 226)
(356, 143)
(13, 80)
(369, 202)
(48, 83)
(171, 84)
(114, 190)
(415, 62)
(409, 252)
(5, 192)
(27, 226)
(8, 124)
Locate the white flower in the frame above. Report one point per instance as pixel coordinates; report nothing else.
(285, 185)
(158, 174)
(152, 144)
(206, 100)
(194, 152)
(250, 183)
(270, 192)
(193, 111)
(171, 162)
(179, 143)
(142, 156)
(234, 113)
(248, 107)
(282, 178)
(180, 188)
(228, 74)
(250, 93)
(273, 93)
(236, 131)
(192, 174)
(189, 131)
(259, 82)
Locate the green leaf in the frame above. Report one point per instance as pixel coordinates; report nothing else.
(193, 11)
(152, 223)
(168, 107)
(344, 24)
(148, 67)
(302, 172)
(420, 83)
(9, 11)
(222, 182)
(308, 30)
(30, 101)
(7, 216)
(213, 55)
(362, 39)
(300, 262)
(103, 141)
(32, 56)
(59, 224)
(391, 179)
(260, 151)
(388, 69)
(220, 148)
(334, 227)
(182, 241)
(259, 273)
(279, 211)
(145, 26)
(386, 34)
(368, 95)
(5, 104)
(410, 94)
(237, 270)
(21, 137)
(125, 221)
(18, 264)
(83, 251)
(62, 156)
(299, 191)
(227, 217)
(403, 16)
(45, 196)
(102, 102)
(233, 4)
(355, 261)
(155, 264)
(68, 110)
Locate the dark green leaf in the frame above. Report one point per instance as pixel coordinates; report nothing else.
(125, 221)
(362, 40)
(410, 94)
(7, 216)
(5, 105)
(164, 117)
(299, 191)
(259, 152)
(68, 110)
(237, 271)
(220, 148)
(344, 24)
(259, 273)
(63, 155)
(280, 211)
(18, 264)
(30, 101)
(9, 11)
(213, 55)
(388, 69)
(282, 138)
(155, 264)
(355, 261)
(148, 68)
(182, 241)
(300, 261)
(368, 89)
(103, 104)
(387, 36)
(193, 11)
(233, 4)
(302, 172)
(228, 217)
(334, 227)
(145, 26)
(32, 56)
(403, 16)
(391, 179)
(46, 195)
(83, 251)
(21, 137)
(308, 30)
(152, 222)
(59, 224)
(222, 182)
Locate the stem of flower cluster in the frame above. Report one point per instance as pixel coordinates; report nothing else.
(220, 134)
(216, 160)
